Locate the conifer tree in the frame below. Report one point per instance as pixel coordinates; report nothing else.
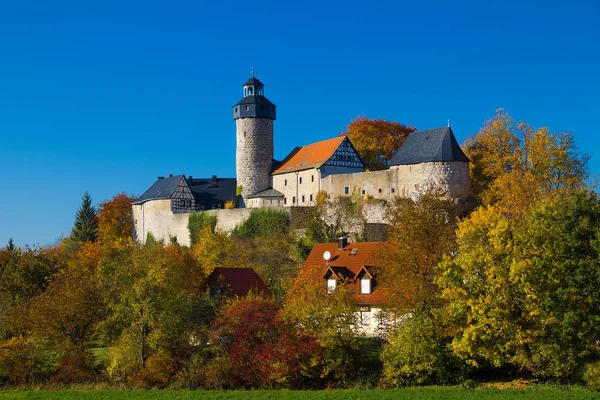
(11, 245)
(85, 228)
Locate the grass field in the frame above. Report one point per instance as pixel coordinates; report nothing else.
(417, 394)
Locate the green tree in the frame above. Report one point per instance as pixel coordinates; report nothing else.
(85, 228)
(525, 291)
(421, 234)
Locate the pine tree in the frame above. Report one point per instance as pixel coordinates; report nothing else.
(85, 228)
(11, 245)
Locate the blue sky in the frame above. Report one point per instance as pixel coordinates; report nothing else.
(106, 96)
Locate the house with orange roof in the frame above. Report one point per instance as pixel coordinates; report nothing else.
(332, 264)
(298, 177)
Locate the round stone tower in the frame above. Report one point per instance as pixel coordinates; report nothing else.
(254, 116)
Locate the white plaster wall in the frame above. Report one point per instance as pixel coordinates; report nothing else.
(156, 217)
(310, 186)
(374, 328)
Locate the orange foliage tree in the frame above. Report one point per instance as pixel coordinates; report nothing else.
(376, 140)
(115, 218)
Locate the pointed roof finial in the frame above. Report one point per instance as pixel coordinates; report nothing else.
(252, 70)
(448, 123)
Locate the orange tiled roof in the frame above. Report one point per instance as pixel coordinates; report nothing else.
(316, 266)
(310, 156)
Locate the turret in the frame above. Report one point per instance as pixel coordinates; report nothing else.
(254, 115)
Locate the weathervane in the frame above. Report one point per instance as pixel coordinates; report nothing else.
(448, 120)
(252, 70)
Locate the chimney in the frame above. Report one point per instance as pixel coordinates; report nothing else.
(213, 179)
(190, 178)
(170, 175)
(160, 178)
(342, 242)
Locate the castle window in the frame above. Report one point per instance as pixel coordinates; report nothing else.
(285, 200)
(303, 198)
(393, 190)
(293, 199)
(247, 108)
(300, 180)
(364, 192)
(285, 182)
(250, 91)
(311, 197)
(346, 190)
(379, 190)
(236, 109)
(312, 178)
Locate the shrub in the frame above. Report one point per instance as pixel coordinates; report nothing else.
(23, 360)
(229, 205)
(264, 223)
(75, 365)
(197, 221)
(591, 375)
(418, 355)
(158, 372)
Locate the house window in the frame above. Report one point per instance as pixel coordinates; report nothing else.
(293, 199)
(300, 180)
(311, 197)
(303, 198)
(346, 190)
(331, 285)
(312, 178)
(365, 315)
(285, 182)
(365, 285)
(188, 203)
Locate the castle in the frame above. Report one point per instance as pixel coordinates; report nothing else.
(428, 158)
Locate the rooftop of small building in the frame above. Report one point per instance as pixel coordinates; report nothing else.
(205, 190)
(241, 281)
(430, 145)
(313, 155)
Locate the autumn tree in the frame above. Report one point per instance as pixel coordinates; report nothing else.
(513, 164)
(85, 228)
(330, 318)
(421, 234)
(115, 218)
(523, 292)
(377, 140)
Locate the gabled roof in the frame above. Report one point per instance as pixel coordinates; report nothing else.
(316, 267)
(240, 280)
(212, 190)
(269, 192)
(163, 188)
(430, 145)
(310, 156)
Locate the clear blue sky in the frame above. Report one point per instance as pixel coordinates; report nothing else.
(105, 96)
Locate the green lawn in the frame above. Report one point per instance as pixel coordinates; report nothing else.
(420, 393)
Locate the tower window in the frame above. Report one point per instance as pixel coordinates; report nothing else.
(303, 198)
(312, 178)
(300, 180)
(363, 191)
(247, 108)
(285, 200)
(250, 91)
(379, 190)
(346, 190)
(293, 199)
(393, 190)
(236, 109)
(285, 182)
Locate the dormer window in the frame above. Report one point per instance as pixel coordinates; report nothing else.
(365, 284)
(331, 284)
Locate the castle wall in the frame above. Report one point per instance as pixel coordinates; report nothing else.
(156, 217)
(407, 180)
(254, 154)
